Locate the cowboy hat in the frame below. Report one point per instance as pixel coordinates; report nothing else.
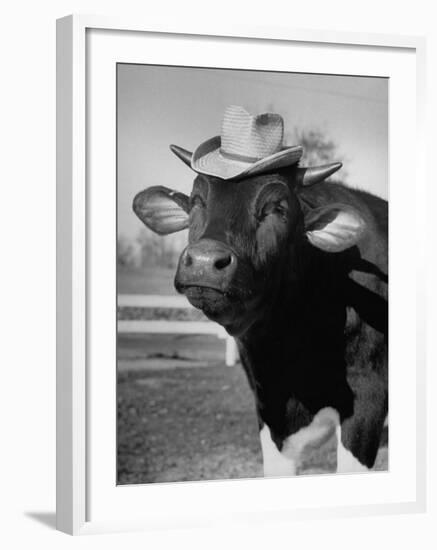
(248, 145)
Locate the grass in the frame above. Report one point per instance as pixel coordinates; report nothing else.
(182, 414)
(146, 280)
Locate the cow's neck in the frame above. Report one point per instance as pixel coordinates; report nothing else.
(278, 351)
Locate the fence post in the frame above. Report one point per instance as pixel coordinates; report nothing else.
(231, 351)
(165, 327)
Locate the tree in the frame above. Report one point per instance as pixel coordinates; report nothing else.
(318, 148)
(158, 251)
(125, 252)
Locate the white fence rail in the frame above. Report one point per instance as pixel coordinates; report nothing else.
(172, 326)
(152, 300)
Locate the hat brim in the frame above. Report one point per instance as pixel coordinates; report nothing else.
(207, 159)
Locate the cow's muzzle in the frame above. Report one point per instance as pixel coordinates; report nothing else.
(207, 264)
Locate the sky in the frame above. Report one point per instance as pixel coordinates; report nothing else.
(159, 105)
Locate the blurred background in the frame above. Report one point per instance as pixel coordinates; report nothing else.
(183, 413)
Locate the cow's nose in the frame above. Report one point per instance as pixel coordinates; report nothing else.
(197, 257)
(207, 262)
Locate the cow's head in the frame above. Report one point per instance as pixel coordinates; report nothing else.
(244, 235)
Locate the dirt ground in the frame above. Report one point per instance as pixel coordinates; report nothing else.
(183, 415)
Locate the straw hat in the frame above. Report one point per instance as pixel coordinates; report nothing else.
(248, 145)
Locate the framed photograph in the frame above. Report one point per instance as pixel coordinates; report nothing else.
(238, 326)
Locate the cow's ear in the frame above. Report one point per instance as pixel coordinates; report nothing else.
(163, 210)
(335, 227)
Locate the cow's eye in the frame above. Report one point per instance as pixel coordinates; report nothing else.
(275, 208)
(196, 200)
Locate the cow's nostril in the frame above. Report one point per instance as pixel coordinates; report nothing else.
(223, 262)
(188, 260)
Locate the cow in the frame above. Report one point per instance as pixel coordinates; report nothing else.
(294, 267)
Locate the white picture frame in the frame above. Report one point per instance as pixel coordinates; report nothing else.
(76, 344)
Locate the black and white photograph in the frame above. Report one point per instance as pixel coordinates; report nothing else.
(219, 270)
(252, 274)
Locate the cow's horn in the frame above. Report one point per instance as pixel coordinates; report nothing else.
(183, 154)
(310, 176)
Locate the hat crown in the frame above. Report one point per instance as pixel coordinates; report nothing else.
(250, 138)
(248, 145)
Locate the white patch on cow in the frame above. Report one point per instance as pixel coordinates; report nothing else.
(285, 462)
(346, 462)
(321, 428)
(275, 463)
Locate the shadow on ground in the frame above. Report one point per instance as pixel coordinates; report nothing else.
(45, 518)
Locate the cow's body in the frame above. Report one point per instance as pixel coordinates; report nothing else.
(313, 350)
(311, 325)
